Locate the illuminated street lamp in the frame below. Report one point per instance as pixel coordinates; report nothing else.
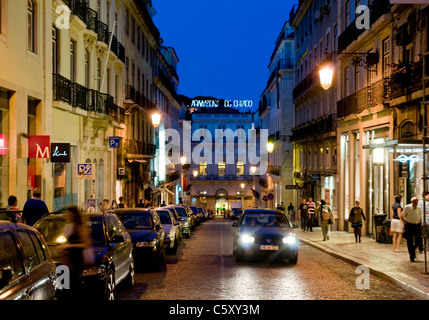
(183, 160)
(195, 173)
(270, 147)
(326, 74)
(156, 119)
(253, 169)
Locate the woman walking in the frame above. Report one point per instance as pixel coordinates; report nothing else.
(356, 218)
(396, 225)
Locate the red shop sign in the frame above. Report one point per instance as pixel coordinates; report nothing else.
(3, 145)
(39, 146)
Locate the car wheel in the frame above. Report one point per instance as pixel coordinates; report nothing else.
(176, 246)
(129, 280)
(110, 292)
(294, 259)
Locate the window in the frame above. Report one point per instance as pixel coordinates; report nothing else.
(98, 75)
(347, 14)
(240, 169)
(221, 169)
(31, 256)
(31, 26)
(408, 54)
(72, 61)
(127, 22)
(54, 50)
(386, 57)
(87, 68)
(203, 169)
(133, 30)
(346, 82)
(9, 255)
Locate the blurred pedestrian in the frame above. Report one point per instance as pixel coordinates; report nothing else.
(356, 218)
(396, 224)
(412, 218)
(76, 248)
(291, 211)
(114, 204)
(12, 205)
(303, 214)
(121, 203)
(8, 214)
(104, 205)
(34, 209)
(140, 204)
(311, 214)
(325, 213)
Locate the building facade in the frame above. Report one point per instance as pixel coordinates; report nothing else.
(276, 113)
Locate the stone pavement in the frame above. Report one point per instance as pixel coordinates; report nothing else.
(380, 259)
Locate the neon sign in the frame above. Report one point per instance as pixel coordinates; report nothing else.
(404, 158)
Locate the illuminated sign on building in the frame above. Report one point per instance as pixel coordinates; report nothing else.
(404, 158)
(39, 147)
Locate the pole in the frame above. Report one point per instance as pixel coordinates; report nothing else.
(107, 58)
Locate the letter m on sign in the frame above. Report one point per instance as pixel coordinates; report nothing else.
(39, 146)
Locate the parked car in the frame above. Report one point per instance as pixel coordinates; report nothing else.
(147, 234)
(27, 271)
(235, 213)
(171, 229)
(186, 219)
(176, 219)
(197, 214)
(264, 233)
(112, 246)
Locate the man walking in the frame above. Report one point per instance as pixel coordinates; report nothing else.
(312, 214)
(303, 214)
(34, 209)
(412, 217)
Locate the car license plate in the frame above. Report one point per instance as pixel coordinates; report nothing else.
(269, 247)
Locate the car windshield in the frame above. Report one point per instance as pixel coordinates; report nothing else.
(136, 220)
(57, 231)
(164, 216)
(181, 211)
(272, 219)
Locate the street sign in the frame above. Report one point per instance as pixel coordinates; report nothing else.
(60, 152)
(85, 170)
(270, 196)
(114, 142)
(292, 186)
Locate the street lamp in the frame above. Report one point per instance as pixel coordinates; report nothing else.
(270, 147)
(326, 74)
(253, 169)
(195, 173)
(183, 160)
(156, 119)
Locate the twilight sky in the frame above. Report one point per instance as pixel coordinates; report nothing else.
(224, 46)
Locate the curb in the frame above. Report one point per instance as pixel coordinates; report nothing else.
(380, 274)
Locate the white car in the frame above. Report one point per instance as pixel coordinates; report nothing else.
(171, 229)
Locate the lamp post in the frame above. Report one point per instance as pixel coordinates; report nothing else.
(156, 121)
(182, 162)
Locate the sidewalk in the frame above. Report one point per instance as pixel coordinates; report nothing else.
(378, 257)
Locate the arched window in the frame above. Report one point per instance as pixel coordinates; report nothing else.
(407, 130)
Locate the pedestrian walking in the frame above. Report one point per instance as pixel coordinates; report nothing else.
(325, 214)
(396, 224)
(311, 214)
(140, 204)
(412, 218)
(291, 211)
(356, 218)
(34, 209)
(303, 214)
(114, 204)
(76, 249)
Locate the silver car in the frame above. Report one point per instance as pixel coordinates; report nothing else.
(171, 229)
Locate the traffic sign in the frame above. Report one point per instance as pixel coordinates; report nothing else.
(114, 142)
(85, 170)
(292, 186)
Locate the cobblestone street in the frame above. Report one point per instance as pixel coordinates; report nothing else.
(204, 269)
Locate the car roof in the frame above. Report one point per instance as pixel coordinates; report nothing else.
(262, 210)
(132, 210)
(7, 225)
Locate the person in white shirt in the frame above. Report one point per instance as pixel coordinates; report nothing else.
(412, 217)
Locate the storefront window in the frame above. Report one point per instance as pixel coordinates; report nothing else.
(4, 142)
(65, 189)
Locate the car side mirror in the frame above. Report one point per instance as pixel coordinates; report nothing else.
(235, 225)
(5, 277)
(117, 239)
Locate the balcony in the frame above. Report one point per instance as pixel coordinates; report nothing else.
(314, 129)
(81, 97)
(161, 76)
(405, 79)
(282, 64)
(148, 19)
(351, 33)
(365, 98)
(274, 170)
(139, 98)
(308, 82)
(135, 148)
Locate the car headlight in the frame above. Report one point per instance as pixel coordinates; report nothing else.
(245, 238)
(289, 240)
(185, 224)
(144, 244)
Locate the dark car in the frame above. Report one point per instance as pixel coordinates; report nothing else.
(147, 233)
(197, 214)
(186, 219)
(264, 233)
(235, 213)
(111, 244)
(27, 271)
